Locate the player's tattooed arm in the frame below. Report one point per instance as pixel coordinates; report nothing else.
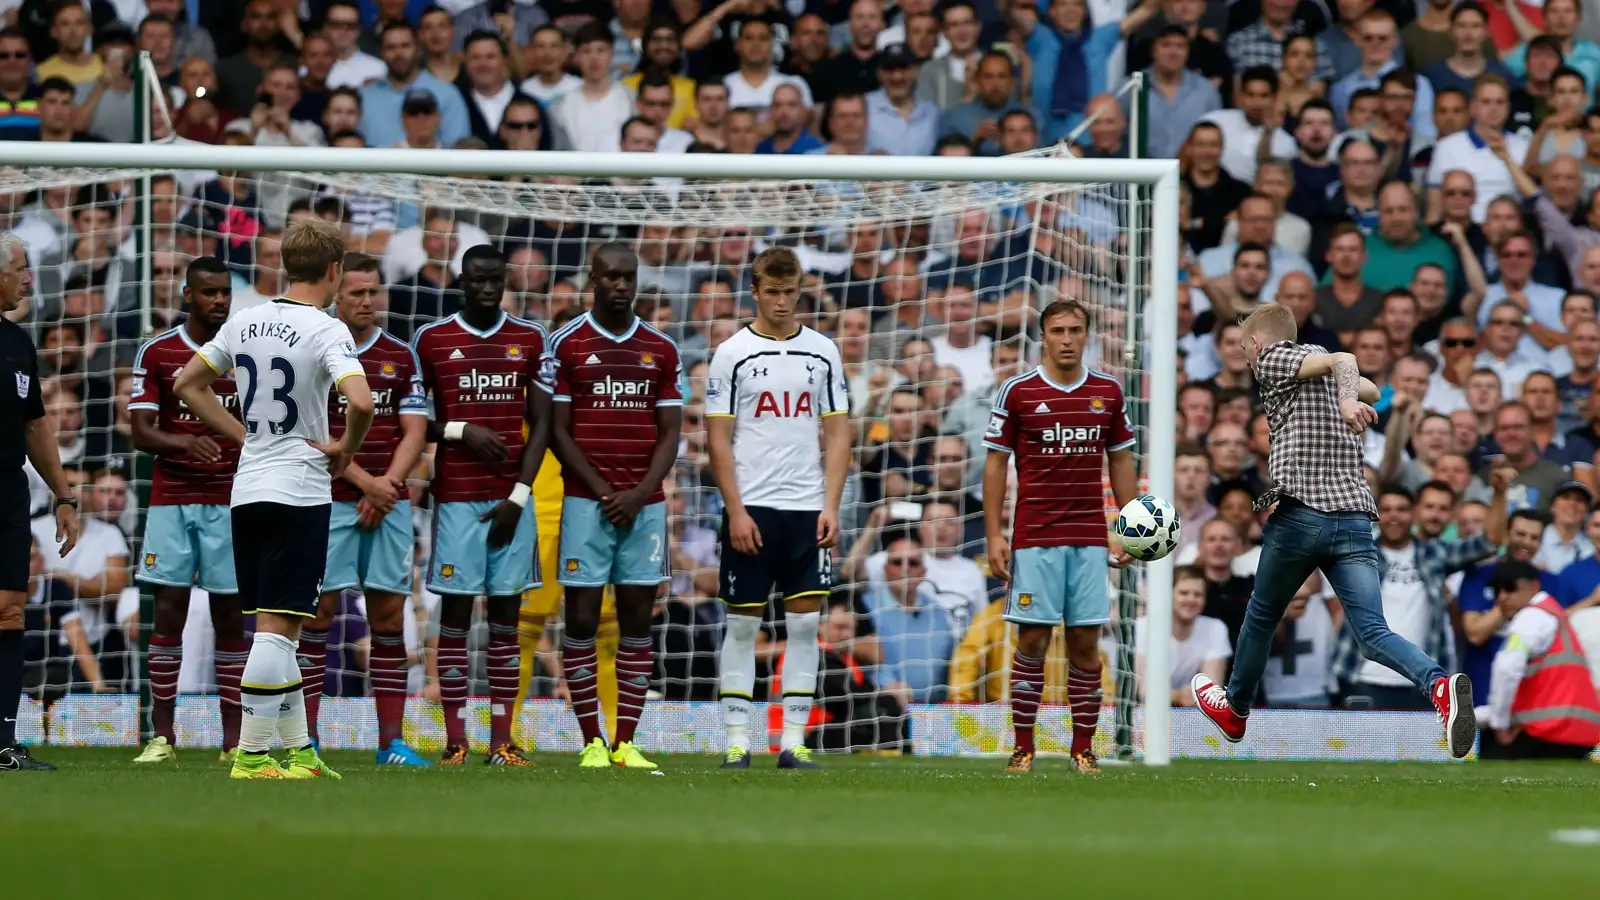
(1357, 416)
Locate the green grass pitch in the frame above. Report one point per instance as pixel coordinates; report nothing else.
(862, 828)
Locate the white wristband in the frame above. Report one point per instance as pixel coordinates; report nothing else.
(520, 494)
(454, 430)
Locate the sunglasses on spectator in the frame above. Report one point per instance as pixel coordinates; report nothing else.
(1459, 342)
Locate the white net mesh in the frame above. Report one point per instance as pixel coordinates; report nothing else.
(931, 290)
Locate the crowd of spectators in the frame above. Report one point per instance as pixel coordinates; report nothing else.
(1417, 182)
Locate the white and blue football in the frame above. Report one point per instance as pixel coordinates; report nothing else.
(1148, 528)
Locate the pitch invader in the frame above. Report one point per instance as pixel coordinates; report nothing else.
(478, 366)
(188, 539)
(1058, 422)
(287, 355)
(617, 387)
(370, 539)
(770, 386)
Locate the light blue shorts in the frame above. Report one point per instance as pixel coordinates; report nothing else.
(189, 545)
(464, 564)
(595, 553)
(377, 560)
(1052, 585)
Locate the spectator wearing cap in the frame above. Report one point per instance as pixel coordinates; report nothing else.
(1564, 541)
(1070, 56)
(1481, 150)
(897, 122)
(1179, 96)
(70, 29)
(105, 106)
(978, 120)
(1542, 701)
(855, 68)
(1461, 69)
(382, 99)
(1561, 24)
(752, 84)
(419, 119)
(1380, 39)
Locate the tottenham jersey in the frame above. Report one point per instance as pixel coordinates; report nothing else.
(285, 357)
(776, 391)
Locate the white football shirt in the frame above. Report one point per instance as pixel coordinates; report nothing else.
(286, 356)
(777, 392)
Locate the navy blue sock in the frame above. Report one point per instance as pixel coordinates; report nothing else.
(10, 685)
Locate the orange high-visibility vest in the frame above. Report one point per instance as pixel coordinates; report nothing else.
(1556, 701)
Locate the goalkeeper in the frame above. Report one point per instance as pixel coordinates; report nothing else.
(539, 604)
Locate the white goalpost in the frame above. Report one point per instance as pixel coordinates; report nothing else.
(878, 233)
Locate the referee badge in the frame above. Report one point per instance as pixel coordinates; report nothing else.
(24, 380)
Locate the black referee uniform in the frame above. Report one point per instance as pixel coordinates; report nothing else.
(20, 403)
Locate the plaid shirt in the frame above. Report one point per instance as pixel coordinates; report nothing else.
(1254, 45)
(1435, 561)
(1315, 458)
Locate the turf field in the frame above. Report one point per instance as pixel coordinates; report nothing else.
(864, 827)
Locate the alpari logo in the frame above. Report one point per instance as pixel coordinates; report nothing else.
(1066, 440)
(632, 394)
(490, 387)
(229, 401)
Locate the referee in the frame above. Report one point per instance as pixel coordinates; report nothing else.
(21, 415)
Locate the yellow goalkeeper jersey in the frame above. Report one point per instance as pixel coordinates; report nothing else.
(547, 493)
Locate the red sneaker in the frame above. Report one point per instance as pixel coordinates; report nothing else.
(1452, 697)
(1212, 699)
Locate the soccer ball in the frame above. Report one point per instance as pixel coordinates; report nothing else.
(1148, 527)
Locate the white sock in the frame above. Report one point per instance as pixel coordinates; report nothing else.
(799, 675)
(269, 672)
(738, 677)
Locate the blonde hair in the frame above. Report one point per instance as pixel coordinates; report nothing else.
(310, 246)
(1270, 324)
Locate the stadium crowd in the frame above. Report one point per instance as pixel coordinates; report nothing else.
(1417, 182)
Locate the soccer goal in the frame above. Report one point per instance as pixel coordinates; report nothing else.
(929, 272)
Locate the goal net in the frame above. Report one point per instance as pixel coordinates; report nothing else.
(929, 275)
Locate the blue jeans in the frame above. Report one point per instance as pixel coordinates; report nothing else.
(1297, 541)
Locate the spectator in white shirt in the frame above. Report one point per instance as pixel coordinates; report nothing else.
(639, 135)
(1477, 149)
(1297, 672)
(752, 84)
(351, 67)
(551, 51)
(488, 88)
(1199, 643)
(591, 116)
(1242, 128)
